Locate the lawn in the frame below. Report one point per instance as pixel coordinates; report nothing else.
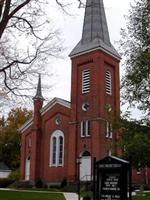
(14, 195)
(145, 196)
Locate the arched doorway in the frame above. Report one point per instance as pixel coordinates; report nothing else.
(27, 169)
(85, 166)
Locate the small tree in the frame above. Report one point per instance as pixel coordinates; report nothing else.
(9, 136)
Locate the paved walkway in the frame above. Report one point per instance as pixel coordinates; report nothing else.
(71, 196)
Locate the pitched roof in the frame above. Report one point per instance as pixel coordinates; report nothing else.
(4, 167)
(95, 34)
(113, 159)
(47, 107)
(53, 102)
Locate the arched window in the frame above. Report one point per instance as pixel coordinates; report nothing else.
(57, 149)
(108, 82)
(54, 154)
(60, 156)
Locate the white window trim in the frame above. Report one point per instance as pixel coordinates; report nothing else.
(86, 128)
(56, 134)
(109, 133)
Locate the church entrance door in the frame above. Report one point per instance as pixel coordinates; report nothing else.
(27, 169)
(85, 166)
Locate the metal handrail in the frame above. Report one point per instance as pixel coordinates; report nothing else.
(86, 178)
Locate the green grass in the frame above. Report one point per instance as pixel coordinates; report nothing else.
(141, 197)
(15, 195)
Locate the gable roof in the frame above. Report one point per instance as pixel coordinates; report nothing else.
(95, 34)
(53, 102)
(4, 167)
(26, 125)
(47, 107)
(113, 159)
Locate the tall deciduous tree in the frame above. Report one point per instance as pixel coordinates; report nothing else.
(9, 136)
(27, 40)
(135, 45)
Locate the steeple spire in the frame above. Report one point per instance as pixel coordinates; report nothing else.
(39, 90)
(95, 34)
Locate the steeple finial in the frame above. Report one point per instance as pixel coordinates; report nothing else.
(39, 90)
(95, 34)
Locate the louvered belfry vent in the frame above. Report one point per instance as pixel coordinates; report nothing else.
(86, 81)
(108, 82)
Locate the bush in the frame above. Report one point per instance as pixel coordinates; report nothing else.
(146, 186)
(39, 183)
(5, 182)
(14, 175)
(21, 185)
(87, 197)
(69, 188)
(63, 183)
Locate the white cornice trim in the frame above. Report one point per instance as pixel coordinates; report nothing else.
(47, 107)
(54, 102)
(26, 125)
(94, 49)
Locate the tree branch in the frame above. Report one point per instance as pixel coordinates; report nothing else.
(18, 8)
(6, 10)
(1, 7)
(19, 62)
(5, 17)
(29, 24)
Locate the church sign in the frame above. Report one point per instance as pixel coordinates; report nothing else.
(112, 177)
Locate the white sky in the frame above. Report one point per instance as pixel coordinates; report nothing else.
(71, 29)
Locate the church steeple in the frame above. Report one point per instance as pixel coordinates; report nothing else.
(95, 34)
(39, 90)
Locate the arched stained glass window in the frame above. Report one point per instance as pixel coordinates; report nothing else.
(54, 148)
(57, 149)
(60, 150)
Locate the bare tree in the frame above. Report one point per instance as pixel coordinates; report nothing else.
(26, 41)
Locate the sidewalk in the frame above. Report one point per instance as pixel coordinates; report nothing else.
(71, 196)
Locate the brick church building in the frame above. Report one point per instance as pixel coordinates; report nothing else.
(61, 132)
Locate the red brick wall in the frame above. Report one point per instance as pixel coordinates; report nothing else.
(25, 150)
(98, 62)
(141, 177)
(96, 144)
(49, 173)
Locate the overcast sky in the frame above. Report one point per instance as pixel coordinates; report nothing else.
(71, 29)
